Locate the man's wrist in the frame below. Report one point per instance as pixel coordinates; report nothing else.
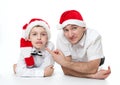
(91, 76)
(65, 63)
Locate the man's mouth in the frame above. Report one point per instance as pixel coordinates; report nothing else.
(72, 38)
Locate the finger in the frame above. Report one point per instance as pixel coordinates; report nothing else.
(109, 68)
(59, 51)
(51, 52)
(56, 52)
(51, 66)
(107, 72)
(105, 76)
(14, 67)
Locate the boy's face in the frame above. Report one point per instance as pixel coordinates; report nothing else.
(73, 33)
(38, 37)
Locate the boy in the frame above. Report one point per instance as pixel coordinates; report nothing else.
(34, 59)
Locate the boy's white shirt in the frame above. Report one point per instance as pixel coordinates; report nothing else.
(22, 70)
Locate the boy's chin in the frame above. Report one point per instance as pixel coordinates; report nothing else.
(38, 48)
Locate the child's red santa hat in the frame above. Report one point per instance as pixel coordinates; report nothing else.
(71, 17)
(33, 22)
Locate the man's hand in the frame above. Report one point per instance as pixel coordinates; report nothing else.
(58, 56)
(48, 71)
(102, 74)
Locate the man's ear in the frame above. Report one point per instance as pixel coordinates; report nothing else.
(84, 28)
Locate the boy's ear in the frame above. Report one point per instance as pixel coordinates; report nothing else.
(29, 39)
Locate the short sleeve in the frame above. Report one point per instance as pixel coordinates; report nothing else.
(95, 49)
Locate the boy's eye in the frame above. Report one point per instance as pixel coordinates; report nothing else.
(34, 34)
(44, 34)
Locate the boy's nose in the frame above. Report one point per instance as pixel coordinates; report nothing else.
(38, 37)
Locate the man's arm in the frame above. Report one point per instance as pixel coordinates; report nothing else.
(83, 67)
(101, 74)
(72, 72)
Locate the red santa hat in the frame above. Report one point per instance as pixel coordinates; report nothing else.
(71, 17)
(33, 22)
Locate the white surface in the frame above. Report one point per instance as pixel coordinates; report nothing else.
(101, 15)
(58, 78)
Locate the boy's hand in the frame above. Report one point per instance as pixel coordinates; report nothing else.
(14, 67)
(48, 71)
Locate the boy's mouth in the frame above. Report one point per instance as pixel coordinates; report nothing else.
(39, 42)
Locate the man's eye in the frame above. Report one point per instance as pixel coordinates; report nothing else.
(34, 34)
(74, 28)
(65, 30)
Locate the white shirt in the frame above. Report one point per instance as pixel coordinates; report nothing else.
(40, 62)
(88, 48)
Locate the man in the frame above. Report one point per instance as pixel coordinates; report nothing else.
(79, 50)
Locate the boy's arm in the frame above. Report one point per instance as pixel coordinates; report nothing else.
(22, 70)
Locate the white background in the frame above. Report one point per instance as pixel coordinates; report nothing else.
(101, 15)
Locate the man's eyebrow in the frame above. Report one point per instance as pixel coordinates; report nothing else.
(73, 25)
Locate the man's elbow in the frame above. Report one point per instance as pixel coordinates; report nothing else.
(94, 70)
(65, 71)
(94, 66)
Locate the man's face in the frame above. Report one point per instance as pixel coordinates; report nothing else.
(38, 37)
(73, 33)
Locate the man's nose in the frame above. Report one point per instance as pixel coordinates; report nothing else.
(70, 33)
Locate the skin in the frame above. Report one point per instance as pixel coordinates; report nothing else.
(74, 34)
(59, 56)
(38, 37)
